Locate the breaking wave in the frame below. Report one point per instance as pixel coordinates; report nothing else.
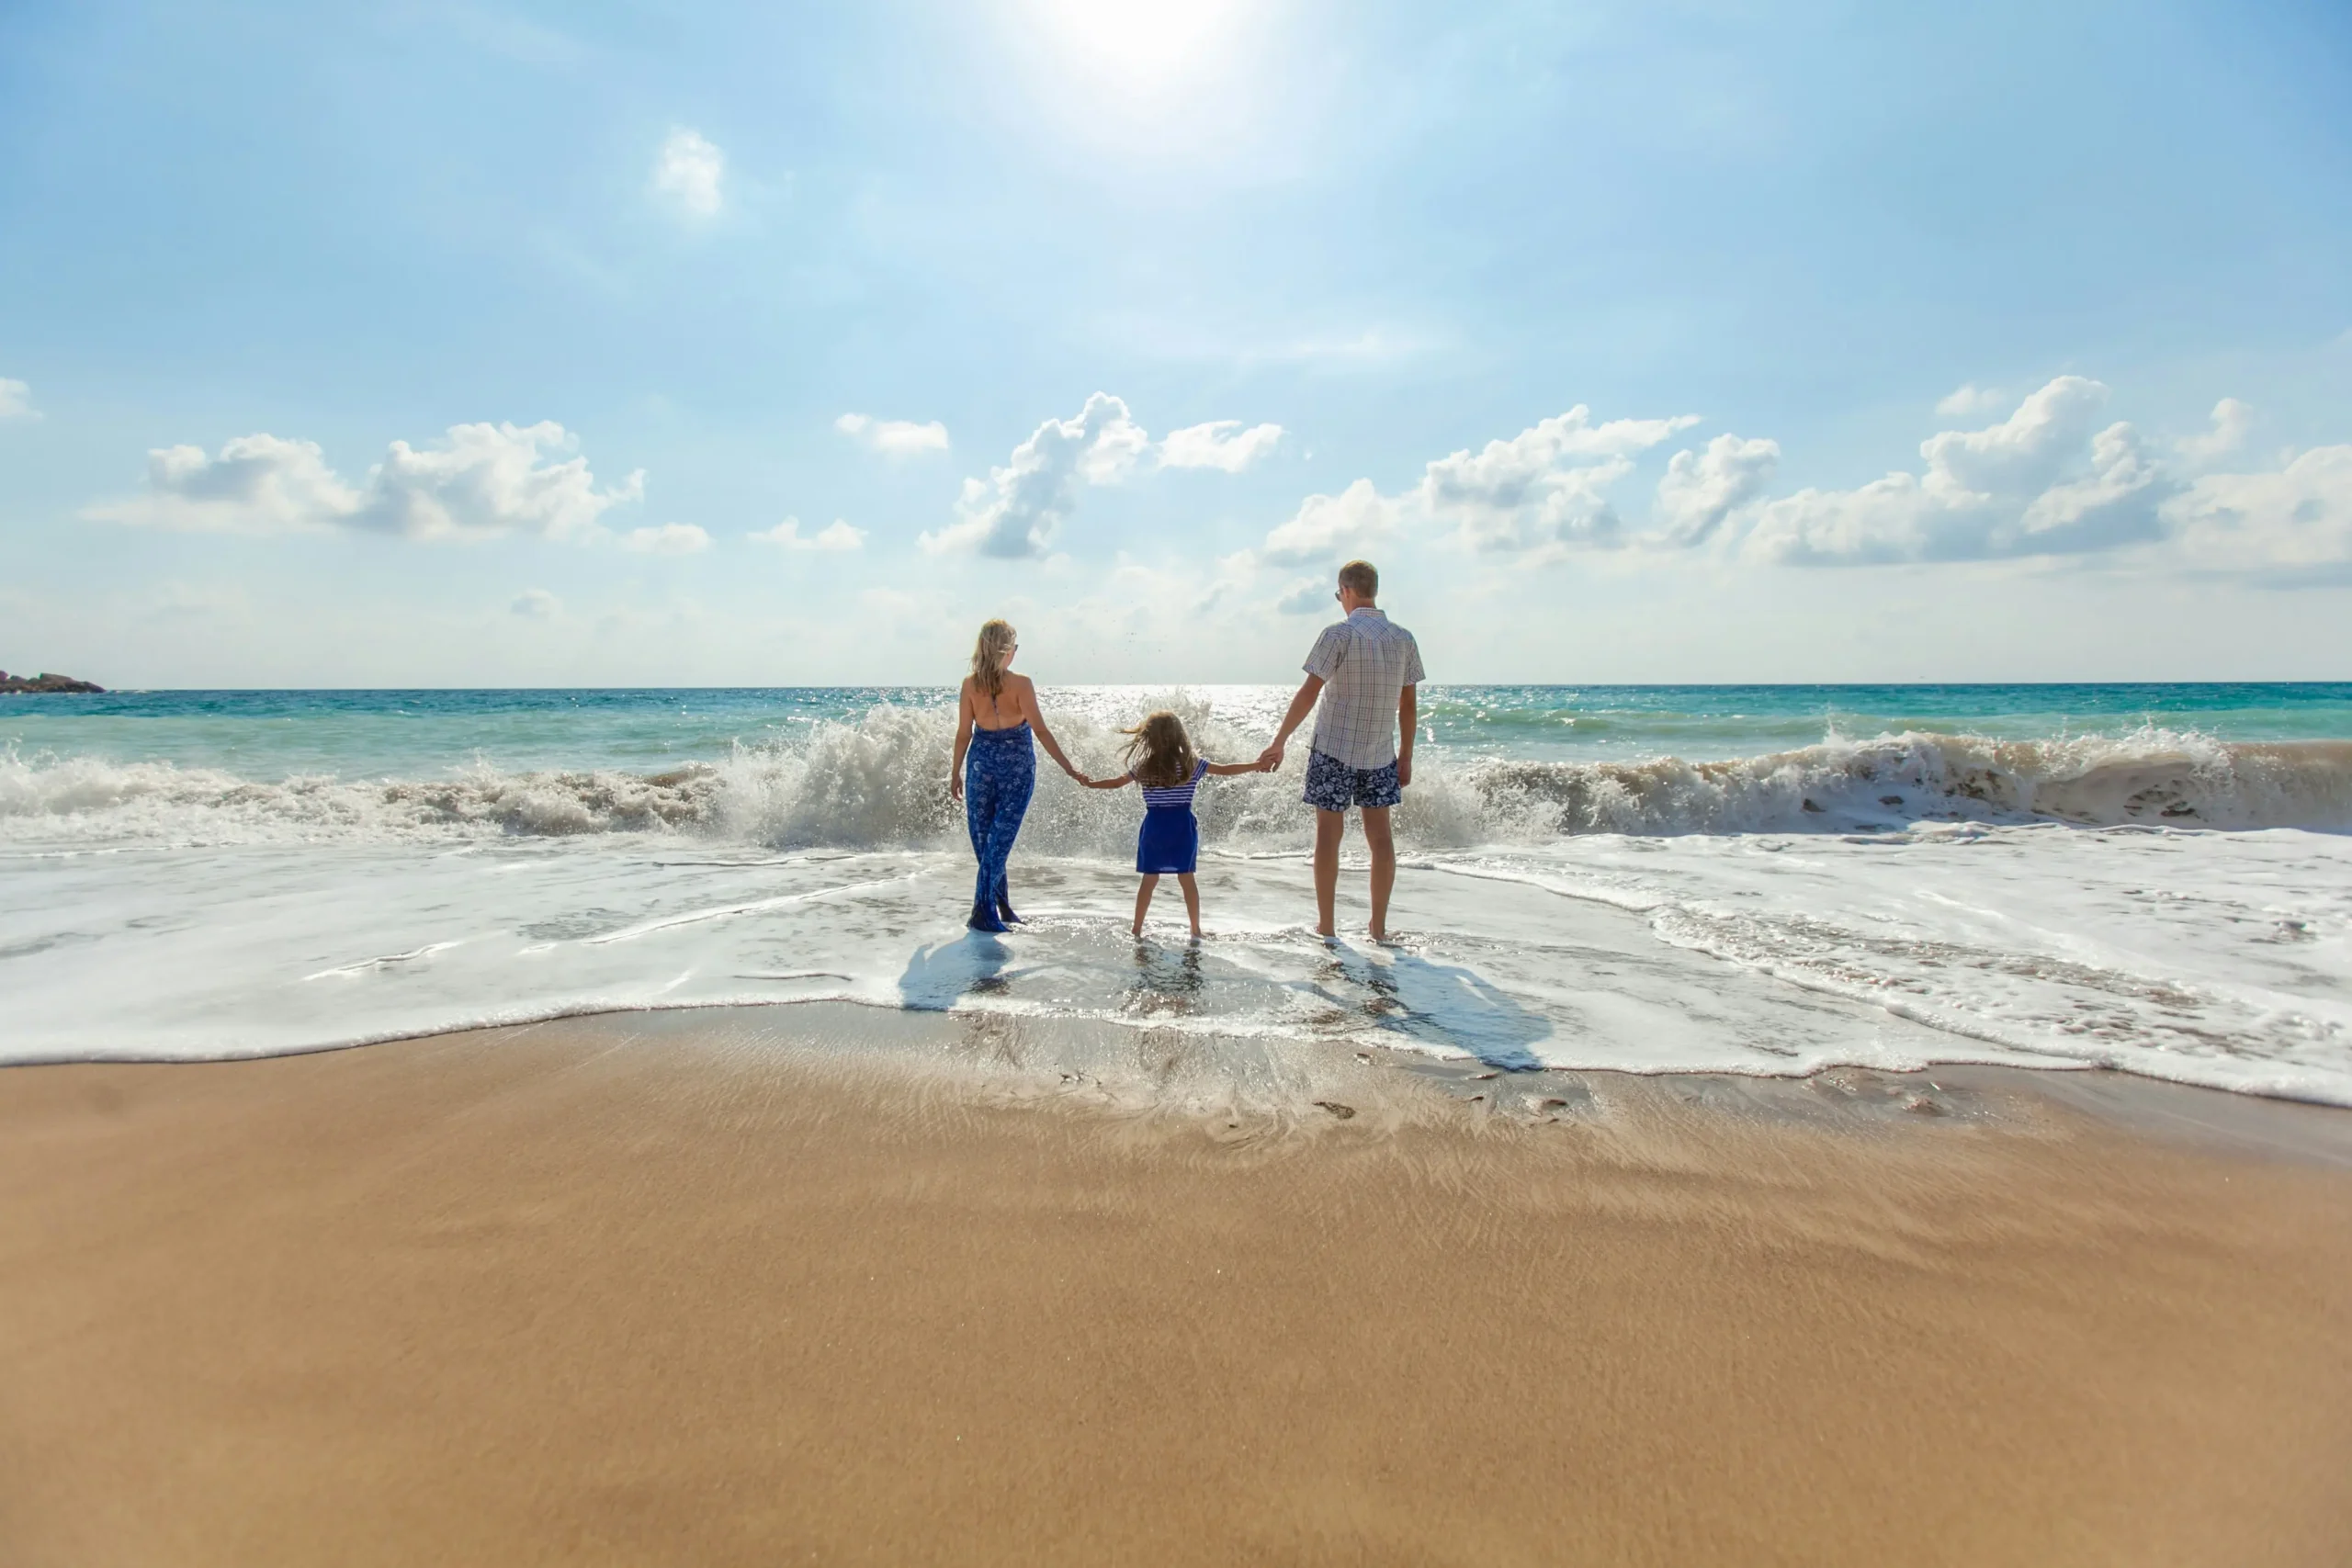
(879, 781)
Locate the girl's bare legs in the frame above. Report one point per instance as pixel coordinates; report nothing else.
(1143, 903)
(1191, 900)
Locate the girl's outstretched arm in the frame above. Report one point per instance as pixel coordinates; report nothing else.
(1121, 781)
(1226, 770)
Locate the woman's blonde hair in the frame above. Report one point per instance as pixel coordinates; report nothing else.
(1161, 753)
(990, 656)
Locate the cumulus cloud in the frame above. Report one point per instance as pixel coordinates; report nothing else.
(536, 604)
(893, 437)
(1971, 401)
(1220, 443)
(2231, 421)
(1305, 596)
(1547, 486)
(16, 399)
(667, 539)
(1328, 527)
(837, 536)
(2026, 486)
(489, 479)
(479, 480)
(259, 484)
(2300, 516)
(689, 171)
(1699, 491)
(1015, 511)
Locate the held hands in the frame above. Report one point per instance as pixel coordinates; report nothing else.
(1270, 758)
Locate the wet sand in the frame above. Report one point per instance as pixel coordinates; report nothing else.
(620, 1290)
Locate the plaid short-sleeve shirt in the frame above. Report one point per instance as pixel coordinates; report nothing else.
(1366, 661)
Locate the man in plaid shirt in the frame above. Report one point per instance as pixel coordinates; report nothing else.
(1364, 669)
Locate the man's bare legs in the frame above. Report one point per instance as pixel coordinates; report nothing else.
(1328, 825)
(1383, 866)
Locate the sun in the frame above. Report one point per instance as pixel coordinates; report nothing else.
(1144, 43)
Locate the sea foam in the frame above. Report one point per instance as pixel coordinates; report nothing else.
(879, 781)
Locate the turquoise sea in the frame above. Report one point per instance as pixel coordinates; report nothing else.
(267, 736)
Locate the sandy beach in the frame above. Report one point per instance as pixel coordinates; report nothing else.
(698, 1291)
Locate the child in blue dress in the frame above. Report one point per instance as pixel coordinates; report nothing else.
(1160, 760)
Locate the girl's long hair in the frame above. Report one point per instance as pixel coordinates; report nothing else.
(1161, 753)
(990, 655)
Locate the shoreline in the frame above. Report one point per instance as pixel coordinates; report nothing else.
(714, 1289)
(2237, 1121)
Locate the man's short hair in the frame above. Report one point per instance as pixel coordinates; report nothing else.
(1362, 579)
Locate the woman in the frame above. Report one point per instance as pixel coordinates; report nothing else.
(993, 721)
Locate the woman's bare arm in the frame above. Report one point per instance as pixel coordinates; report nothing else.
(963, 740)
(1045, 734)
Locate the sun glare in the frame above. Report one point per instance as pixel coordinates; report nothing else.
(1143, 42)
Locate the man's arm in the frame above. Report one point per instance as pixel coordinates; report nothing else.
(1300, 706)
(1408, 712)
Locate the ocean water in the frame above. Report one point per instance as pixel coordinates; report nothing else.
(1765, 879)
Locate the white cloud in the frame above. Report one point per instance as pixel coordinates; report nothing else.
(1547, 484)
(1305, 596)
(667, 539)
(1333, 526)
(16, 400)
(1545, 487)
(837, 536)
(1220, 443)
(259, 484)
(2231, 421)
(1971, 401)
(893, 437)
(2023, 487)
(482, 479)
(491, 478)
(1016, 510)
(689, 171)
(536, 604)
(2300, 516)
(1700, 491)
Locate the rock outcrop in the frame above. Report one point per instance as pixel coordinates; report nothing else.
(45, 683)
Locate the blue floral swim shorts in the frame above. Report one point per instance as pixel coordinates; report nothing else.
(1332, 786)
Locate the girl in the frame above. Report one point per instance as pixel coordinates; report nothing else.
(1160, 759)
(993, 720)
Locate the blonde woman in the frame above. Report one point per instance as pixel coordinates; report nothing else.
(994, 768)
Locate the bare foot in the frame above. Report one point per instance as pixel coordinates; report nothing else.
(1137, 928)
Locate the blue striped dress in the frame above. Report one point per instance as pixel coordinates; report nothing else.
(1170, 842)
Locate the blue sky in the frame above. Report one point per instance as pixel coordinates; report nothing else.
(425, 344)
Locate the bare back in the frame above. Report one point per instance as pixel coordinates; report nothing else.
(1015, 703)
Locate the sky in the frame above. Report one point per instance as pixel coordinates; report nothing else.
(418, 344)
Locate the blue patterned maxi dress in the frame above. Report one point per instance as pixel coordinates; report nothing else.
(1000, 772)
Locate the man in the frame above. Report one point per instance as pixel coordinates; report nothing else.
(1366, 670)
